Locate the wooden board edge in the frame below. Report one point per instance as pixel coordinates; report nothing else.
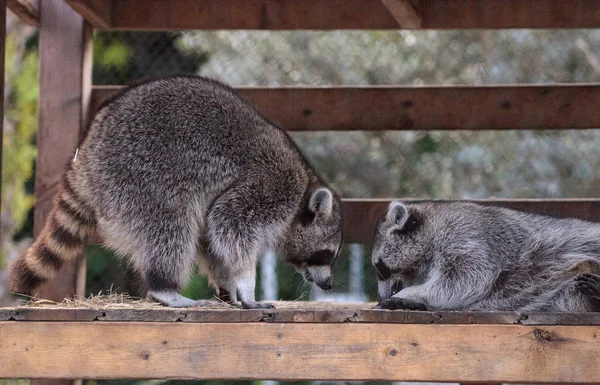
(299, 315)
(26, 10)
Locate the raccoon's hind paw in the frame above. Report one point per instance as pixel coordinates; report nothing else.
(173, 299)
(257, 305)
(589, 286)
(401, 303)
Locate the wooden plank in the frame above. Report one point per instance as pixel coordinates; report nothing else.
(26, 10)
(404, 12)
(96, 12)
(528, 107)
(46, 314)
(283, 351)
(350, 14)
(293, 312)
(361, 215)
(64, 38)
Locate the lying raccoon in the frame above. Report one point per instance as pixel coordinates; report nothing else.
(179, 172)
(466, 256)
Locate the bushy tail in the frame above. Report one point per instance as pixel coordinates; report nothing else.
(68, 226)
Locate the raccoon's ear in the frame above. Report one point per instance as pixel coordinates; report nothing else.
(321, 202)
(397, 214)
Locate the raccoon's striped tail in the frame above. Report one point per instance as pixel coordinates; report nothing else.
(68, 226)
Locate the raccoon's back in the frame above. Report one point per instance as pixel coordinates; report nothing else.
(175, 139)
(177, 115)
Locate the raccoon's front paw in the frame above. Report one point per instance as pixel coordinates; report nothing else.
(589, 285)
(400, 303)
(257, 305)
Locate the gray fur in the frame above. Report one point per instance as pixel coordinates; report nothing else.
(466, 256)
(181, 172)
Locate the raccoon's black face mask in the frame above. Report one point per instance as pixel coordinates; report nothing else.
(315, 238)
(397, 254)
(318, 268)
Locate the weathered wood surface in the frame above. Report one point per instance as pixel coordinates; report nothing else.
(531, 107)
(361, 215)
(291, 312)
(286, 351)
(64, 39)
(26, 10)
(96, 12)
(65, 75)
(404, 12)
(341, 14)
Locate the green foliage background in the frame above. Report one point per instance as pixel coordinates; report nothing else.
(506, 164)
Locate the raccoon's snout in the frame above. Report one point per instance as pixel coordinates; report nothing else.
(327, 284)
(386, 289)
(322, 276)
(383, 272)
(396, 287)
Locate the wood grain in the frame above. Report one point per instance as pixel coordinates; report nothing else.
(96, 12)
(348, 14)
(361, 215)
(26, 10)
(64, 39)
(284, 351)
(404, 12)
(294, 312)
(527, 107)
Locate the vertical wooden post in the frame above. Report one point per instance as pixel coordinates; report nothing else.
(65, 87)
(65, 84)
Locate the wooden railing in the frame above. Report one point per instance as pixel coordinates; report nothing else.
(342, 342)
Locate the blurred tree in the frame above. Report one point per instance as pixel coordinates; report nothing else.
(121, 57)
(360, 164)
(18, 155)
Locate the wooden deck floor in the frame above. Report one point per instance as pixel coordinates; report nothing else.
(293, 312)
(297, 341)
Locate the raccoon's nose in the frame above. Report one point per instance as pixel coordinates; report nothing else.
(327, 284)
(383, 272)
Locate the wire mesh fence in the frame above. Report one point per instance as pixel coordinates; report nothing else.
(432, 164)
(459, 164)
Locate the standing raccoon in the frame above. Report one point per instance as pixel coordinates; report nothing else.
(179, 172)
(466, 256)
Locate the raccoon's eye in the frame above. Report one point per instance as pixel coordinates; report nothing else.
(411, 225)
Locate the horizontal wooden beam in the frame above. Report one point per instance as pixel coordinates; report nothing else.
(361, 215)
(26, 10)
(283, 351)
(531, 107)
(404, 12)
(96, 12)
(289, 312)
(348, 14)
